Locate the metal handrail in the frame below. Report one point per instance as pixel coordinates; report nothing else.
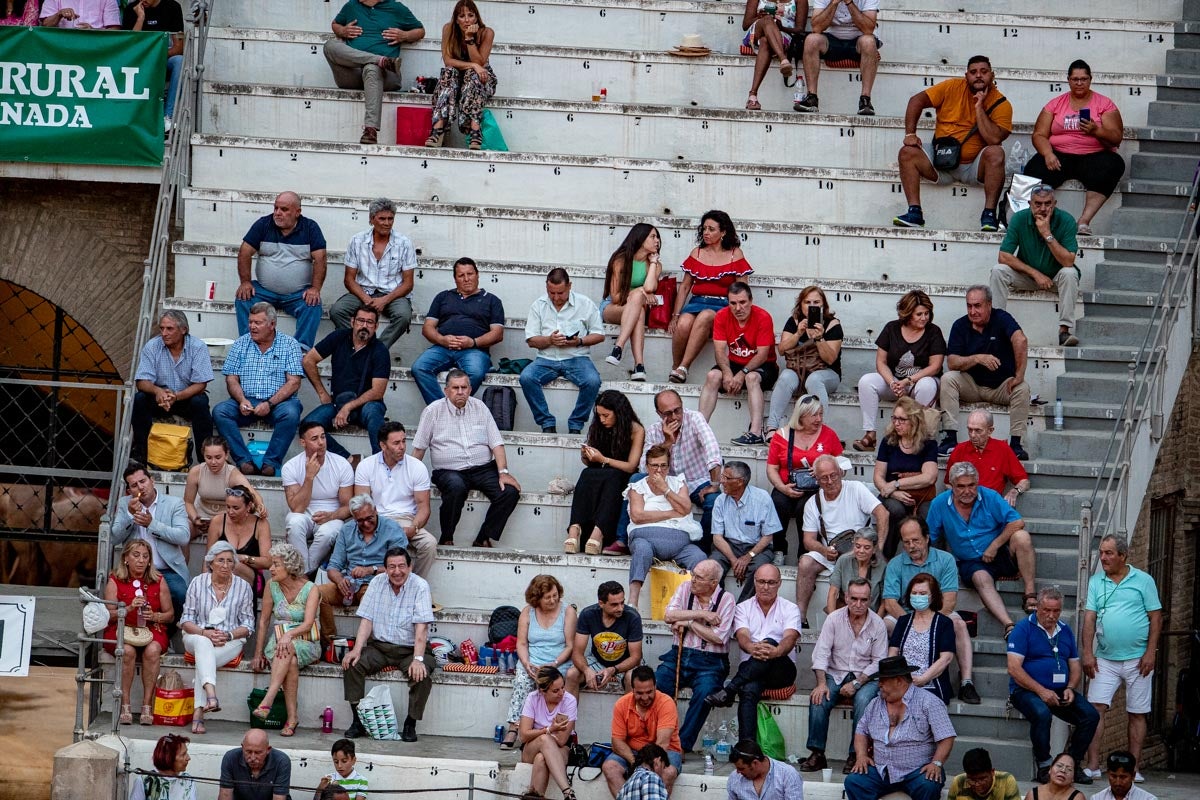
(176, 174)
(1106, 511)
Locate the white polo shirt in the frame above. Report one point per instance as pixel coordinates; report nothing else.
(392, 488)
(782, 616)
(334, 474)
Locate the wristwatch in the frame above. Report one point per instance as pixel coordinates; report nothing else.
(936, 763)
(505, 471)
(1049, 238)
(745, 371)
(856, 683)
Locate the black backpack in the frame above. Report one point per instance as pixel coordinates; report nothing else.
(503, 623)
(502, 402)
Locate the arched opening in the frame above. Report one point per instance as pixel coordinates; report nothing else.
(58, 413)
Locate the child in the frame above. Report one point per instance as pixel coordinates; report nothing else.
(344, 773)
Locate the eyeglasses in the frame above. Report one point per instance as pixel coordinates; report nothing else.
(658, 466)
(808, 398)
(670, 412)
(370, 322)
(899, 419)
(828, 478)
(1083, 79)
(235, 492)
(1063, 766)
(765, 582)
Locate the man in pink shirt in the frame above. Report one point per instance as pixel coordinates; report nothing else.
(81, 14)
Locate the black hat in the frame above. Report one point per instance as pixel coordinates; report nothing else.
(895, 667)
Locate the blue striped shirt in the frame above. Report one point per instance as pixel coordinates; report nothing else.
(912, 744)
(643, 784)
(263, 374)
(158, 366)
(201, 600)
(394, 614)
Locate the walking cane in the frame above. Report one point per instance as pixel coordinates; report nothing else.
(678, 661)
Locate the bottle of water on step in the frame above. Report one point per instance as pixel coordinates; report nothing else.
(723, 746)
(709, 767)
(1058, 414)
(799, 90)
(708, 740)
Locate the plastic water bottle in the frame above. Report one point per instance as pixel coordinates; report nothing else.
(327, 720)
(708, 740)
(1058, 414)
(709, 767)
(800, 90)
(722, 747)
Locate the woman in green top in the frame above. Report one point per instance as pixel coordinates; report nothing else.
(629, 285)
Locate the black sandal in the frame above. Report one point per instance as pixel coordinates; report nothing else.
(1028, 606)
(510, 739)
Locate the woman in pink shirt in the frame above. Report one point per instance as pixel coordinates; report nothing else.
(1077, 136)
(19, 12)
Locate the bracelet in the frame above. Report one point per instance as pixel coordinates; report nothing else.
(474, 343)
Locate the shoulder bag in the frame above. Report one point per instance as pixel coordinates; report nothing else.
(947, 151)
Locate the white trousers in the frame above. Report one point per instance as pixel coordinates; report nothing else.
(208, 660)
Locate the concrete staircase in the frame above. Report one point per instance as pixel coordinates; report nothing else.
(811, 195)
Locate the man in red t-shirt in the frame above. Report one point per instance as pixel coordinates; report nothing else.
(744, 349)
(993, 458)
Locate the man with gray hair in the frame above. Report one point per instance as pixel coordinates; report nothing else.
(986, 354)
(379, 274)
(1124, 615)
(996, 463)
(291, 268)
(744, 524)
(172, 379)
(262, 375)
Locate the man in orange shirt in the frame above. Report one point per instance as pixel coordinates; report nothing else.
(644, 716)
(972, 111)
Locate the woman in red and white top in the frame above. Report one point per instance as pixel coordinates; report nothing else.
(810, 437)
(1077, 136)
(709, 269)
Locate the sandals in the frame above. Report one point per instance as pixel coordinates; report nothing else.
(262, 711)
(126, 717)
(593, 546)
(1083, 229)
(752, 103)
(289, 729)
(213, 705)
(1008, 629)
(571, 545)
(785, 68)
(436, 137)
(198, 727)
(475, 140)
(146, 717)
(1030, 602)
(867, 443)
(568, 793)
(678, 375)
(510, 739)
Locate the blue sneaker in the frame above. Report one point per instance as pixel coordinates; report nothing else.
(913, 218)
(988, 221)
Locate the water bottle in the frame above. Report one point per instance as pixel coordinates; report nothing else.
(1058, 414)
(327, 720)
(141, 610)
(708, 764)
(722, 747)
(800, 91)
(708, 740)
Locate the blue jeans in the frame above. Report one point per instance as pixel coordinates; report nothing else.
(369, 415)
(1081, 714)
(174, 72)
(284, 419)
(705, 673)
(818, 714)
(307, 317)
(436, 358)
(872, 785)
(579, 371)
(706, 505)
(177, 586)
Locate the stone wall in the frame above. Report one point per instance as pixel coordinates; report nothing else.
(81, 246)
(1175, 476)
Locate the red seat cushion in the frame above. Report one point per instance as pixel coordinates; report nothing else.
(188, 658)
(842, 63)
(779, 694)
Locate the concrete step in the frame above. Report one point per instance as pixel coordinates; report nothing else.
(1085, 415)
(1172, 113)
(832, 252)
(1180, 88)
(243, 55)
(917, 36)
(1125, 276)
(1137, 9)
(1153, 221)
(860, 305)
(1183, 61)
(581, 183)
(1074, 445)
(1167, 134)
(1101, 329)
(1143, 193)
(1120, 303)
(1166, 167)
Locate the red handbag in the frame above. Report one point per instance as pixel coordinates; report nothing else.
(413, 124)
(659, 317)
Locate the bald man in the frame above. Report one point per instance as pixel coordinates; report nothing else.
(255, 771)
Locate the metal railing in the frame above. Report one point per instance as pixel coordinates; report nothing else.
(1107, 510)
(86, 675)
(176, 174)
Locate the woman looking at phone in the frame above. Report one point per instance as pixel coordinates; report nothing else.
(546, 723)
(812, 350)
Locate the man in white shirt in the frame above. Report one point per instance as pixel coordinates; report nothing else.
(399, 485)
(838, 506)
(467, 452)
(1122, 767)
(842, 30)
(318, 486)
(766, 627)
(561, 326)
(379, 274)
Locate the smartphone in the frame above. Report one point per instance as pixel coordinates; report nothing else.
(1085, 113)
(814, 316)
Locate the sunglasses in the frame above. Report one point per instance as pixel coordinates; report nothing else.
(235, 492)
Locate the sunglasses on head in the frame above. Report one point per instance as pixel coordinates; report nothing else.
(235, 492)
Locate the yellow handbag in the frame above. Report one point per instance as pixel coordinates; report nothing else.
(167, 447)
(665, 578)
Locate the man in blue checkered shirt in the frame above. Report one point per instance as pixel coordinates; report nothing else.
(646, 782)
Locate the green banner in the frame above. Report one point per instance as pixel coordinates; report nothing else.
(82, 96)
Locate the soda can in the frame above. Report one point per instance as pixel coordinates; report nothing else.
(210, 290)
(499, 734)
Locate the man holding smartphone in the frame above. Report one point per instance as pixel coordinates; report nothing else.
(562, 326)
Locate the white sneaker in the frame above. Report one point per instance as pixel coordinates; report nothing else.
(778, 560)
(1092, 773)
(1139, 778)
(166, 124)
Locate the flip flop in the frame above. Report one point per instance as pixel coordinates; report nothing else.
(751, 105)
(262, 712)
(213, 706)
(198, 727)
(289, 729)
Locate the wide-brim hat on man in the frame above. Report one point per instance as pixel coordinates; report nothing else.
(895, 667)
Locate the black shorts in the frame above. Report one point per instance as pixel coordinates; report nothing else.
(1098, 172)
(1002, 566)
(769, 372)
(844, 49)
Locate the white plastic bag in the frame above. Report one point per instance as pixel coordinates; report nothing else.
(378, 715)
(1019, 191)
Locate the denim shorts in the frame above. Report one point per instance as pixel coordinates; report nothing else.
(676, 759)
(700, 303)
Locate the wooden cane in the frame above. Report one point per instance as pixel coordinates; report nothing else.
(678, 662)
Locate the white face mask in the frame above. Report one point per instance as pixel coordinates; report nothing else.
(919, 602)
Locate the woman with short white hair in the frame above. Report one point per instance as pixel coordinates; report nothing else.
(218, 618)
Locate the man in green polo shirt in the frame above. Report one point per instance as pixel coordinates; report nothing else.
(979, 781)
(1039, 253)
(365, 53)
(1124, 615)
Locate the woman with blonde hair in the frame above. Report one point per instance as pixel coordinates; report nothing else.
(204, 491)
(136, 583)
(791, 452)
(906, 468)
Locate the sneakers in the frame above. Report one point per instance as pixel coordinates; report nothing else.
(749, 438)
(988, 221)
(809, 105)
(1137, 777)
(1017, 450)
(369, 136)
(614, 357)
(948, 443)
(779, 559)
(166, 125)
(639, 373)
(1095, 773)
(1081, 776)
(865, 109)
(913, 218)
(968, 694)
(1067, 339)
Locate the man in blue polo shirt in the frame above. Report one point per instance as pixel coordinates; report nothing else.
(291, 268)
(172, 378)
(461, 325)
(986, 356)
(1044, 673)
(914, 557)
(361, 369)
(986, 536)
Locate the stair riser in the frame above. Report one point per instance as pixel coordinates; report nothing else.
(1172, 115)
(1061, 445)
(1183, 61)
(1115, 275)
(1111, 331)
